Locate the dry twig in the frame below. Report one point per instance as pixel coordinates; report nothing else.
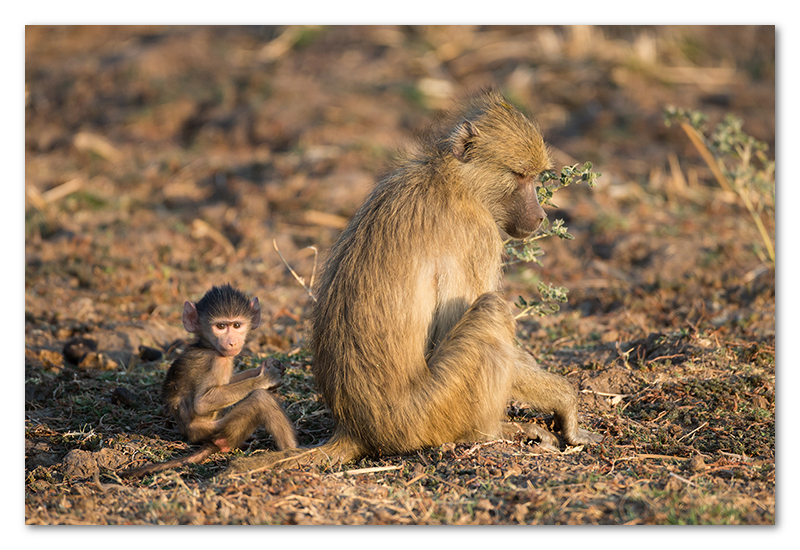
(294, 273)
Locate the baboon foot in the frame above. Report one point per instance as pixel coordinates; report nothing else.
(532, 431)
(583, 437)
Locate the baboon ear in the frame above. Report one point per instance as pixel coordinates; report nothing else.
(464, 140)
(256, 313)
(191, 319)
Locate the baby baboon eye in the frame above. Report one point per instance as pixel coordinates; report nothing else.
(237, 325)
(221, 326)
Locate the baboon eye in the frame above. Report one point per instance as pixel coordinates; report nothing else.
(237, 325)
(221, 326)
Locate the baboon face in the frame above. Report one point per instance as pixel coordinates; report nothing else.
(503, 153)
(524, 213)
(223, 318)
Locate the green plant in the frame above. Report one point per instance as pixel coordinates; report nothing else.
(738, 161)
(529, 250)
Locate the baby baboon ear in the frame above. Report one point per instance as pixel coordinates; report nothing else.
(191, 319)
(463, 138)
(256, 309)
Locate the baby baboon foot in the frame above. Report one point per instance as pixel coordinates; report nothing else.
(546, 439)
(223, 445)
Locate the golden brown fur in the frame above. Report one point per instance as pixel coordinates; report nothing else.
(413, 345)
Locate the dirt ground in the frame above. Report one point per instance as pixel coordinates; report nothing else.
(162, 160)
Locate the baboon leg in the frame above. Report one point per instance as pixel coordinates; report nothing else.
(200, 429)
(275, 422)
(550, 393)
(471, 375)
(259, 408)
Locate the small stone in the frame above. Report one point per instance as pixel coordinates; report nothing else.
(110, 459)
(53, 361)
(149, 354)
(123, 396)
(79, 464)
(696, 464)
(94, 360)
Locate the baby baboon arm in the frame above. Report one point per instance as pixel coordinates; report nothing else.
(219, 397)
(270, 364)
(244, 375)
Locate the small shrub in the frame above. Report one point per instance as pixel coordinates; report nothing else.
(528, 249)
(739, 163)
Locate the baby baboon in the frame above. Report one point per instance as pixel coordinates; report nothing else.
(200, 383)
(413, 345)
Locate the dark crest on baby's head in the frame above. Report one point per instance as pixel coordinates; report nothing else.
(224, 301)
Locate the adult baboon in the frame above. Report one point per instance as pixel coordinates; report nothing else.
(413, 345)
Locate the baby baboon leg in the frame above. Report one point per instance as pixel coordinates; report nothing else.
(199, 429)
(550, 393)
(274, 420)
(259, 408)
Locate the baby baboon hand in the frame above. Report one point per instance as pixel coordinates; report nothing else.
(271, 362)
(269, 377)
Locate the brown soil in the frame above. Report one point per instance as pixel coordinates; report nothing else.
(160, 161)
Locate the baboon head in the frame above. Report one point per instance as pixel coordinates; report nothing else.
(502, 153)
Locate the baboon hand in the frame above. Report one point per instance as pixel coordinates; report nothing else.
(269, 377)
(271, 362)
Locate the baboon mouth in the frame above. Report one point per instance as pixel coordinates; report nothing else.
(518, 233)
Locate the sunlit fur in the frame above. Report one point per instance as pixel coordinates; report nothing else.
(209, 403)
(413, 345)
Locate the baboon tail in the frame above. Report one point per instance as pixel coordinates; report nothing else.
(338, 450)
(194, 458)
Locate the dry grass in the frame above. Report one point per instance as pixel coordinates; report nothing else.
(161, 161)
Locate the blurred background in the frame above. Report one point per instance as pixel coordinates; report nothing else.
(160, 160)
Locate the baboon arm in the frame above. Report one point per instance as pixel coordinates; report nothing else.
(239, 376)
(550, 393)
(219, 397)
